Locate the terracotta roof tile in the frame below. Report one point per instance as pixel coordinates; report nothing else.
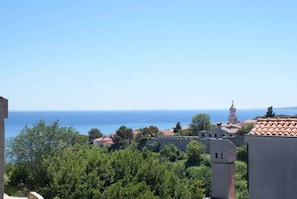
(104, 140)
(275, 127)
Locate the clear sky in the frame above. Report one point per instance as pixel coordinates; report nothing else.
(148, 54)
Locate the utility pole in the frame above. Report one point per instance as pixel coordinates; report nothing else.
(3, 115)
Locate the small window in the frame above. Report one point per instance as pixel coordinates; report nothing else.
(216, 155)
(215, 135)
(203, 135)
(222, 155)
(209, 135)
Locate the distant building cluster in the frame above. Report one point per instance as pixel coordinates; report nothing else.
(228, 129)
(103, 141)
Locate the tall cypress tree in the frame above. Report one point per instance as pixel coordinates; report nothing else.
(177, 127)
(269, 112)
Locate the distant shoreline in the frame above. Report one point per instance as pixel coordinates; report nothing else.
(295, 107)
(144, 110)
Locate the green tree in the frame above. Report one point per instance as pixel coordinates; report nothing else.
(154, 147)
(269, 112)
(131, 190)
(245, 129)
(202, 173)
(123, 135)
(92, 172)
(77, 172)
(149, 131)
(205, 160)
(242, 153)
(194, 151)
(93, 134)
(32, 145)
(241, 180)
(177, 127)
(170, 152)
(200, 122)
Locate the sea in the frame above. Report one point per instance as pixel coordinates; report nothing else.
(109, 121)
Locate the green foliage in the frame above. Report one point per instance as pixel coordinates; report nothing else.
(150, 131)
(269, 112)
(131, 190)
(72, 173)
(245, 129)
(93, 134)
(170, 152)
(181, 132)
(241, 189)
(28, 149)
(191, 132)
(154, 147)
(240, 170)
(81, 139)
(66, 170)
(242, 153)
(200, 122)
(241, 180)
(92, 172)
(178, 167)
(123, 135)
(194, 151)
(202, 173)
(205, 160)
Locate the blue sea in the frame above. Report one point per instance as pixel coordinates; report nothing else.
(109, 121)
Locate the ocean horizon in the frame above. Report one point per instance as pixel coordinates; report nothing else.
(108, 121)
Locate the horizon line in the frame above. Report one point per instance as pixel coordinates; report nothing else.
(97, 110)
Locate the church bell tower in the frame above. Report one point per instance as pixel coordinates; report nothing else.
(232, 118)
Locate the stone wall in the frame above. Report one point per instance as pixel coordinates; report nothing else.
(237, 140)
(180, 142)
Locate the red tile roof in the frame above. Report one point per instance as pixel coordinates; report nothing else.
(104, 140)
(275, 127)
(167, 132)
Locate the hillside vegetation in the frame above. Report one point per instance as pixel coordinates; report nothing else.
(59, 163)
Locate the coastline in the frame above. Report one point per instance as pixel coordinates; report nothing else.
(109, 121)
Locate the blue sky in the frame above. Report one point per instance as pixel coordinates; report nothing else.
(148, 54)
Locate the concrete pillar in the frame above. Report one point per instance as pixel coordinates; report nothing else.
(3, 115)
(222, 155)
